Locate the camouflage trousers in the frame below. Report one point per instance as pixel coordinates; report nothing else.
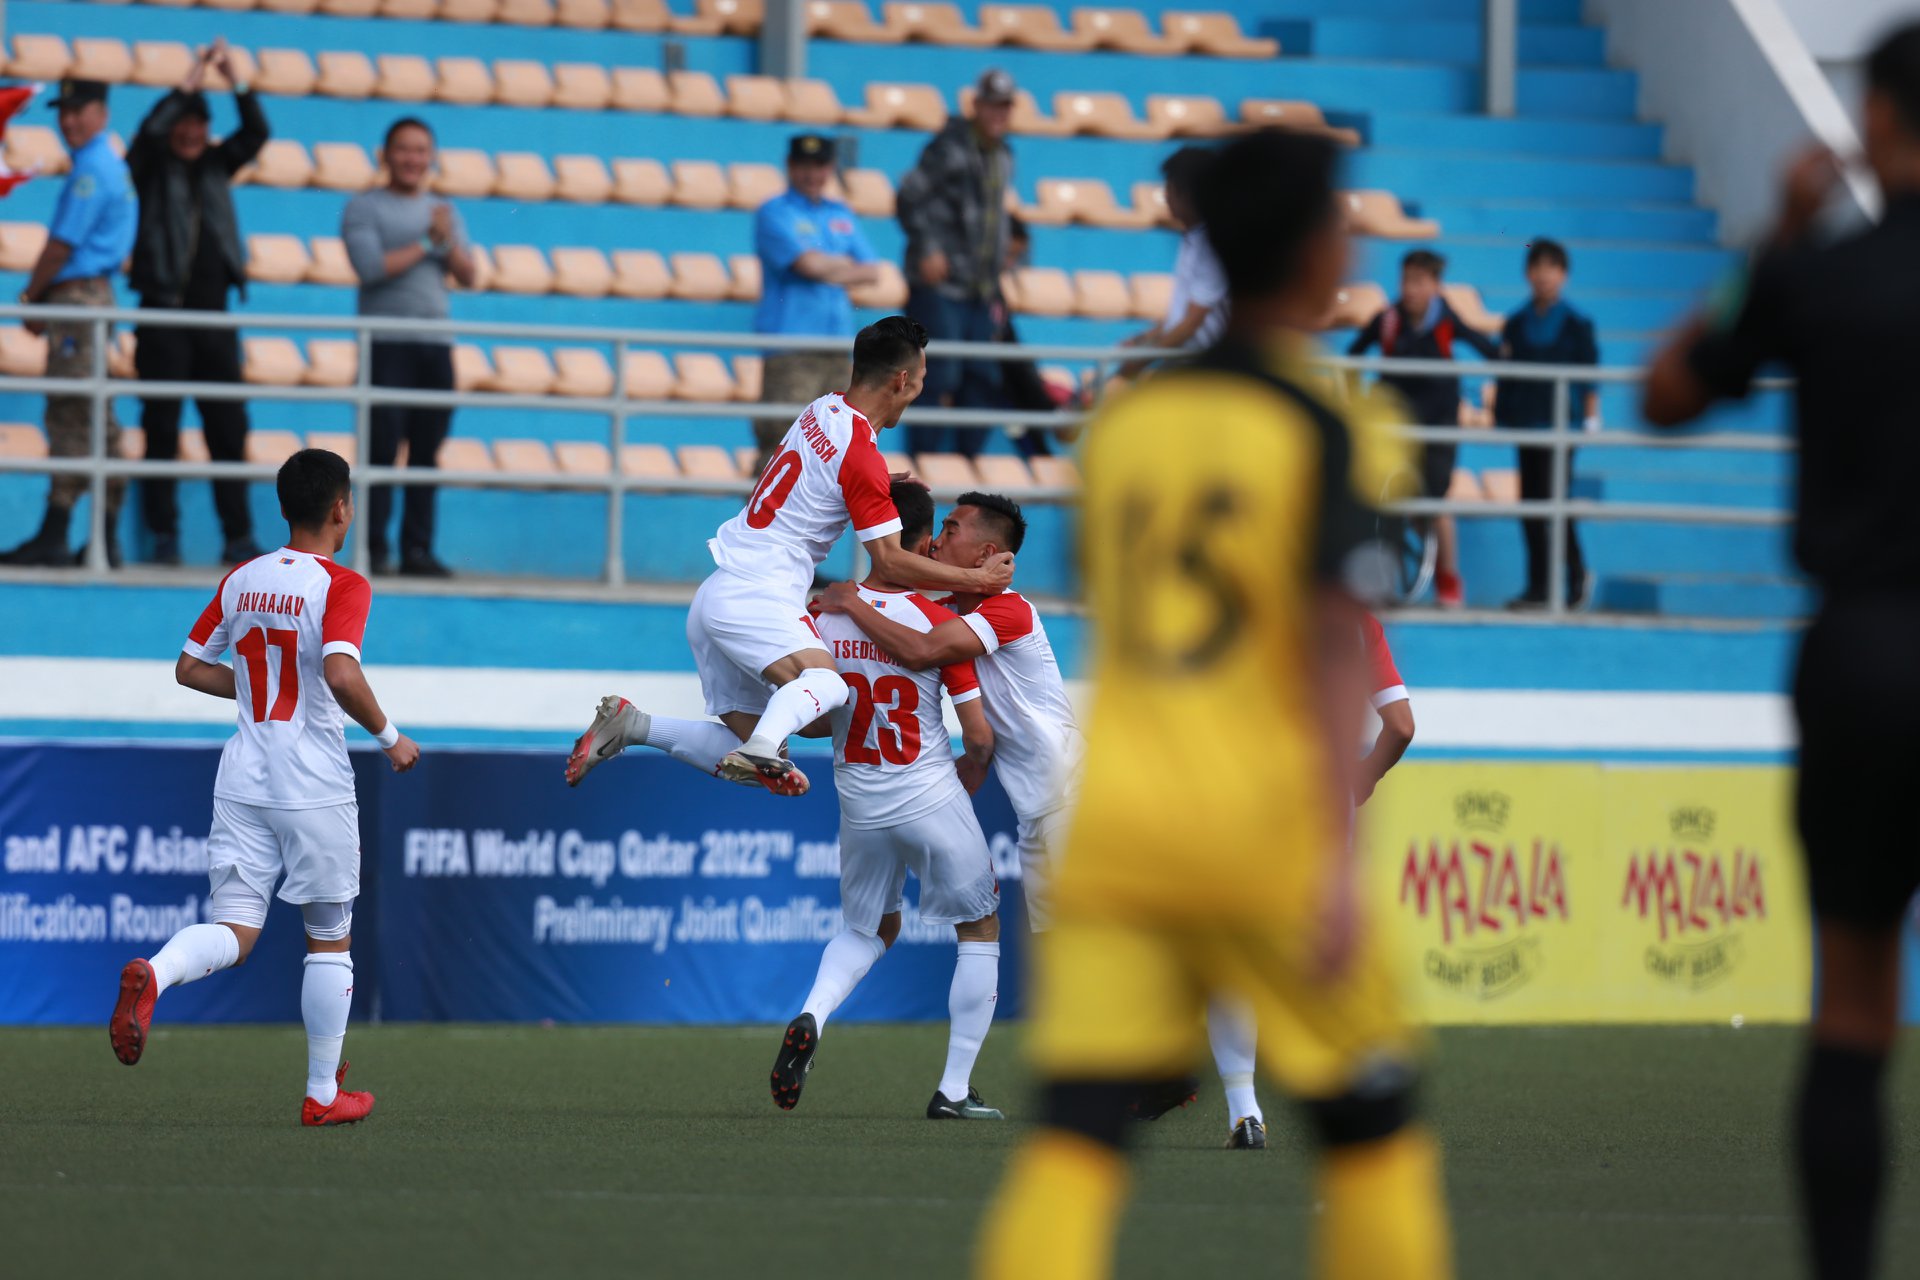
(70, 418)
(794, 377)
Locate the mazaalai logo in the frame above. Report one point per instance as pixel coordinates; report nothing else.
(1696, 900)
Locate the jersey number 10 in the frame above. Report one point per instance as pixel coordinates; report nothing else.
(253, 651)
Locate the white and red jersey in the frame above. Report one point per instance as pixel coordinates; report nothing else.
(1384, 684)
(283, 613)
(826, 474)
(1037, 744)
(892, 760)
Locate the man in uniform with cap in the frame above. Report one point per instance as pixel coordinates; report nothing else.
(187, 256)
(952, 207)
(89, 237)
(811, 252)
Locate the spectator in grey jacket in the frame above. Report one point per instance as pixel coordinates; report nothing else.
(952, 207)
(404, 244)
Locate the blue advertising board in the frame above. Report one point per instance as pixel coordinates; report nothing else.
(490, 891)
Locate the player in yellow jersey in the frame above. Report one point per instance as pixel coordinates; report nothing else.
(1227, 510)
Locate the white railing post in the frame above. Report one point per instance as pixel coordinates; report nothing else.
(616, 473)
(98, 404)
(362, 445)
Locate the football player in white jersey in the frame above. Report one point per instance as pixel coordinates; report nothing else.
(283, 801)
(904, 806)
(1038, 744)
(748, 625)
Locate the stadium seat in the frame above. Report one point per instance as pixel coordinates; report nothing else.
(464, 453)
(694, 93)
(295, 7)
(273, 362)
(643, 16)
(1125, 30)
(582, 457)
(756, 98)
(747, 371)
(1150, 201)
(751, 185)
(746, 455)
(1104, 115)
(744, 270)
(708, 461)
(1101, 295)
(193, 445)
(464, 82)
(522, 175)
(464, 173)
(583, 15)
(1044, 291)
(1303, 116)
(641, 182)
(640, 274)
(813, 102)
(735, 17)
(287, 72)
(471, 367)
(1152, 294)
(895, 462)
(1472, 308)
(410, 10)
(332, 362)
(282, 163)
(22, 440)
(330, 264)
(648, 376)
(276, 259)
(1378, 213)
(403, 77)
(581, 179)
(526, 13)
(848, 20)
(344, 443)
(946, 471)
(162, 64)
(22, 354)
(520, 268)
(1027, 117)
(581, 86)
(342, 166)
(518, 82)
(1055, 472)
(1179, 116)
(20, 245)
(701, 376)
(937, 24)
(1218, 34)
(698, 277)
(520, 371)
(582, 273)
(639, 89)
(216, 82)
(582, 372)
(888, 293)
(900, 106)
(468, 10)
(649, 460)
(344, 75)
(699, 184)
(37, 57)
(1032, 26)
(1354, 305)
(349, 8)
(1085, 200)
(99, 59)
(1003, 472)
(36, 148)
(482, 269)
(869, 192)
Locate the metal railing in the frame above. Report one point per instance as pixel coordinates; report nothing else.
(1560, 436)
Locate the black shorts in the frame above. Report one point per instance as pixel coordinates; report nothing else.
(1436, 467)
(1857, 696)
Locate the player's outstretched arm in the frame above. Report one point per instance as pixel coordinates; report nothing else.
(976, 735)
(895, 563)
(950, 642)
(355, 696)
(1396, 735)
(212, 678)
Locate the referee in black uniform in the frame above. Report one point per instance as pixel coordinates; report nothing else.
(1844, 317)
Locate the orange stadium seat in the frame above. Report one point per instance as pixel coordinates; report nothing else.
(525, 457)
(36, 147)
(403, 78)
(330, 264)
(21, 439)
(343, 443)
(1104, 115)
(282, 163)
(526, 13)
(641, 182)
(848, 20)
(694, 93)
(1152, 294)
(1150, 201)
(1101, 295)
(747, 372)
(243, 68)
(903, 106)
(464, 173)
(643, 16)
(160, 63)
(520, 268)
(349, 8)
(273, 362)
(869, 192)
(468, 10)
(582, 273)
(462, 81)
(1303, 116)
(699, 184)
(1001, 472)
(698, 277)
(344, 75)
(649, 376)
(708, 461)
(341, 166)
(522, 175)
(581, 86)
(287, 72)
(482, 269)
(641, 274)
(583, 15)
(332, 362)
(756, 97)
(22, 354)
(296, 7)
(702, 376)
(37, 57)
(414, 10)
(582, 457)
(744, 269)
(581, 179)
(750, 185)
(1027, 117)
(518, 82)
(1354, 305)
(1085, 200)
(1472, 308)
(99, 59)
(276, 259)
(1055, 473)
(1044, 291)
(1123, 29)
(1180, 116)
(812, 102)
(20, 245)
(735, 17)
(946, 471)
(463, 453)
(520, 371)
(639, 89)
(652, 461)
(1378, 213)
(582, 372)
(937, 24)
(1032, 26)
(471, 367)
(888, 293)
(1216, 33)
(271, 448)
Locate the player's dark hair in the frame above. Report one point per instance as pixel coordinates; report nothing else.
(1004, 513)
(1262, 199)
(1425, 260)
(1893, 68)
(309, 483)
(1017, 228)
(1548, 251)
(1183, 168)
(406, 122)
(915, 506)
(885, 347)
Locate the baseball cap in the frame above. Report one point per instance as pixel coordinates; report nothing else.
(995, 86)
(77, 93)
(810, 148)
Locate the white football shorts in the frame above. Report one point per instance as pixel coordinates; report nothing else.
(317, 849)
(1040, 841)
(945, 848)
(737, 629)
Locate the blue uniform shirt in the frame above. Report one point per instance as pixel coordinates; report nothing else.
(786, 227)
(97, 212)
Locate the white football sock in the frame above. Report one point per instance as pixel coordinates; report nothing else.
(970, 1004)
(795, 705)
(700, 743)
(1231, 1030)
(193, 953)
(842, 965)
(326, 997)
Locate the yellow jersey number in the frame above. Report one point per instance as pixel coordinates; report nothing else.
(1186, 607)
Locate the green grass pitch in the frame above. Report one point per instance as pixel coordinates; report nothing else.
(572, 1152)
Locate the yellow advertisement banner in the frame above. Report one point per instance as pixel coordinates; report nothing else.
(1517, 893)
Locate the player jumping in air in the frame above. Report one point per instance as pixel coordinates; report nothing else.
(748, 625)
(903, 806)
(283, 800)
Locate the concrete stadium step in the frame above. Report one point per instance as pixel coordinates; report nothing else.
(1625, 268)
(1561, 12)
(1770, 495)
(1425, 39)
(1526, 219)
(1586, 139)
(1708, 597)
(1615, 548)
